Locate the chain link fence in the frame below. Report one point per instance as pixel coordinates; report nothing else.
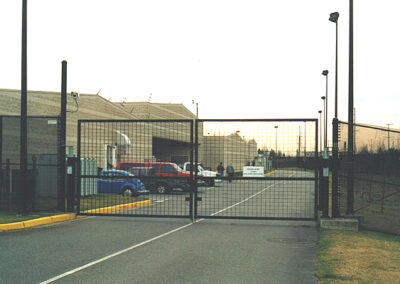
(376, 181)
(43, 164)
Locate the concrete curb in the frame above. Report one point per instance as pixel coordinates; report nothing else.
(37, 222)
(66, 217)
(111, 209)
(345, 224)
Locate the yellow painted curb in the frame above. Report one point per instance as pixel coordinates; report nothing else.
(65, 217)
(12, 226)
(37, 222)
(111, 209)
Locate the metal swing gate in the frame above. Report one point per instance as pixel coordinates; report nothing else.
(269, 166)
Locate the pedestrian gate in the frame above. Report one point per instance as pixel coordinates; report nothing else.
(269, 168)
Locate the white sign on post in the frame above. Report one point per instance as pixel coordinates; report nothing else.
(249, 171)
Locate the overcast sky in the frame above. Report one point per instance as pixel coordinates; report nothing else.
(236, 58)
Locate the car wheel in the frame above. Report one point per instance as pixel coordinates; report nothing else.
(210, 182)
(162, 188)
(127, 192)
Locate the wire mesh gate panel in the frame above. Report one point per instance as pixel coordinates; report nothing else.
(256, 169)
(267, 169)
(131, 168)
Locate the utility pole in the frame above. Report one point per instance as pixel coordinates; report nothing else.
(24, 113)
(299, 142)
(305, 139)
(350, 133)
(388, 135)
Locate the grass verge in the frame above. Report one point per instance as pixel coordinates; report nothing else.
(105, 200)
(12, 217)
(363, 257)
(87, 203)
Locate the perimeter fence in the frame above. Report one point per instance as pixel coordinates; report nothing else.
(372, 173)
(43, 169)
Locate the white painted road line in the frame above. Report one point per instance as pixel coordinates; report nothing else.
(150, 240)
(160, 201)
(113, 255)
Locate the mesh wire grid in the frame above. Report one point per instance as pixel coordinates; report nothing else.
(273, 161)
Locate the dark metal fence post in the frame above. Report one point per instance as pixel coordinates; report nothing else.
(33, 185)
(7, 185)
(23, 192)
(192, 182)
(335, 164)
(324, 184)
(196, 161)
(63, 119)
(72, 171)
(79, 170)
(383, 197)
(350, 135)
(316, 172)
(1, 164)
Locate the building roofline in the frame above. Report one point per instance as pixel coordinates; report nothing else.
(80, 94)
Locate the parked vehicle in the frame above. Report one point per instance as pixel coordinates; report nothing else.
(120, 182)
(161, 177)
(208, 177)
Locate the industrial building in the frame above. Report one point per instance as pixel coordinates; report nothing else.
(133, 138)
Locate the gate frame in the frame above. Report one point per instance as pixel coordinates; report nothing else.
(315, 179)
(193, 197)
(189, 198)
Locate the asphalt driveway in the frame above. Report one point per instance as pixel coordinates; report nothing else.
(157, 250)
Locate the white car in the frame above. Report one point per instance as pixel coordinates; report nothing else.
(209, 177)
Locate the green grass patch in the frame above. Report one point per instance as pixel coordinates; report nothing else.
(238, 174)
(105, 200)
(363, 257)
(13, 217)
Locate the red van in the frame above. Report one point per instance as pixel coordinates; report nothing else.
(160, 177)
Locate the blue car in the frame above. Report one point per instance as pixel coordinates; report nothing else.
(120, 182)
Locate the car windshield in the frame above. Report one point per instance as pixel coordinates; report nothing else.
(200, 168)
(178, 168)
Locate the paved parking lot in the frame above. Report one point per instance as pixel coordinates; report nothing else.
(242, 198)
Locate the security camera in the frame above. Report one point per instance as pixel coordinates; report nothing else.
(75, 95)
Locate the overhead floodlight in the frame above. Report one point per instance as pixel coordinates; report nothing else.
(334, 17)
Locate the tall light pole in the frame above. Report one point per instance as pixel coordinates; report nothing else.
(350, 129)
(388, 135)
(325, 73)
(324, 99)
(334, 17)
(197, 108)
(23, 120)
(320, 130)
(276, 140)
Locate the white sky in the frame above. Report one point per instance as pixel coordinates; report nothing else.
(236, 58)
